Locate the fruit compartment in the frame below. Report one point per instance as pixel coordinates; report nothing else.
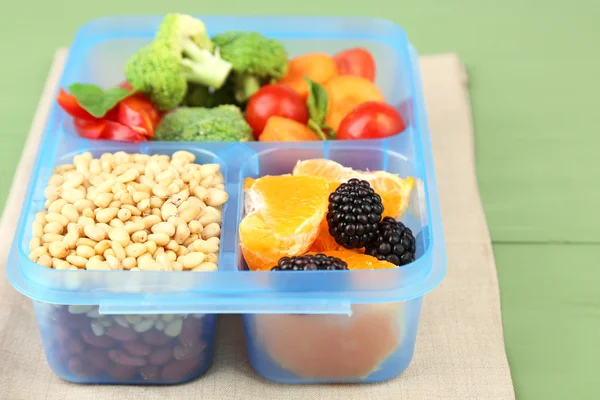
(395, 155)
(83, 346)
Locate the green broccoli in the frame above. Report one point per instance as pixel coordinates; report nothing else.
(181, 53)
(257, 60)
(203, 96)
(223, 123)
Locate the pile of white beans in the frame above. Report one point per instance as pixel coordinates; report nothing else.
(132, 212)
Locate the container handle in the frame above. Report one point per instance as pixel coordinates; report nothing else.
(218, 306)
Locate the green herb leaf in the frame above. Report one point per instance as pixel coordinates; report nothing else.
(317, 102)
(96, 100)
(316, 129)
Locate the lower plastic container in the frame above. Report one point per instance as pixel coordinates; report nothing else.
(84, 346)
(158, 327)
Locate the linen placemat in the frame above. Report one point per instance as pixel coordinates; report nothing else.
(460, 351)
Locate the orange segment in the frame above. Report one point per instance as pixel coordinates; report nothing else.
(394, 191)
(283, 214)
(248, 182)
(357, 261)
(318, 67)
(345, 92)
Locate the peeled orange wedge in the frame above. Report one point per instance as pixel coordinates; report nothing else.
(357, 261)
(394, 191)
(283, 214)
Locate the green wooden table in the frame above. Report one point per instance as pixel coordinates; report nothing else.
(533, 68)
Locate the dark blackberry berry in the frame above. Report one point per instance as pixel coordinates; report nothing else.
(394, 243)
(317, 262)
(354, 212)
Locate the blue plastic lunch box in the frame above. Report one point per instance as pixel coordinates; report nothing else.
(162, 324)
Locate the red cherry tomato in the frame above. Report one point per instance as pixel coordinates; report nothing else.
(274, 100)
(371, 120)
(356, 61)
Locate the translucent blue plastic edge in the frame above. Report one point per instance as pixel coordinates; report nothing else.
(233, 291)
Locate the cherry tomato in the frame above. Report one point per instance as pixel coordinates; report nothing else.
(371, 120)
(275, 100)
(356, 61)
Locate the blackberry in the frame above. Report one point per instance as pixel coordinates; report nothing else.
(354, 212)
(394, 243)
(317, 262)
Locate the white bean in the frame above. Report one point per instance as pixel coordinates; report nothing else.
(216, 197)
(94, 232)
(160, 238)
(106, 215)
(135, 250)
(164, 227)
(120, 236)
(209, 215)
(206, 266)
(211, 230)
(85, 251)
(193, 259)
(97, 265)
(57, 205)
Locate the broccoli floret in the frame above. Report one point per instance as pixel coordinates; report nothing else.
(223, 123)
(203, 96)
(181, 53)
(256, 59)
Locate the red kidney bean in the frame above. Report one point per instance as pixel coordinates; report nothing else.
(82, 368)
(122, 358)
(122, 372)
(150, 372)
(97, 341)
(121, 333)
(190, 333)
(160, 356)
(73, 346)
(61, 333)
(137, 348)
(155, 338)
(177, 370)
(98, 357)
(187, 352)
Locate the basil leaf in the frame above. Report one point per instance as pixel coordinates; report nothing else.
(317, 102)
(96, 100)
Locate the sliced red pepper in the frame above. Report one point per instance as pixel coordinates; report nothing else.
(107, 130)
(89, 129)
(69, 103)
(116, 131)
(139, 113)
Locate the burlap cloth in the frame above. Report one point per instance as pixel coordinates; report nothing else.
(460, 348)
